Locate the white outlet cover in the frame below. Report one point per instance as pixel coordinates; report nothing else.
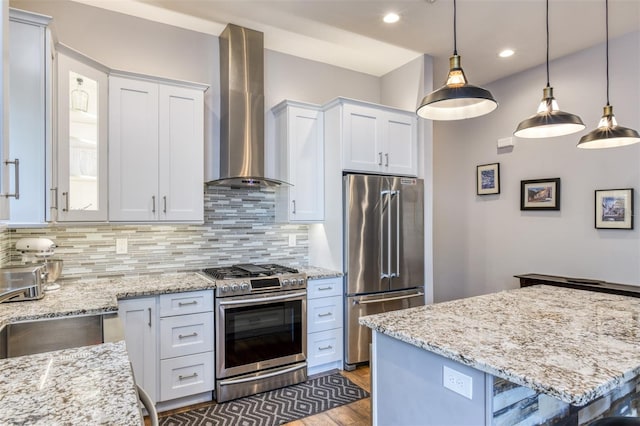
(121, 246)
(292, 240)
(458, 382)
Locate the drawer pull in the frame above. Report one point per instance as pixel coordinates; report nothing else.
(187, 377)
(324, 348)
(193, 302)
(328, 314)
(184, 336)
(325, 288)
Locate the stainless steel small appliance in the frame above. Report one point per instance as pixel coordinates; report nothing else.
(261, 328)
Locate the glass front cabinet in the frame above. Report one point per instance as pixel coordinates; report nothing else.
(81, 194)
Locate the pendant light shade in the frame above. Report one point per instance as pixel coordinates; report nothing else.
(549, 121)
(457, 99)
(608, 134)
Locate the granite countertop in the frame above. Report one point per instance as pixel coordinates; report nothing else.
(100, 296)
(573, 345)
(316, 273)
(71, 386)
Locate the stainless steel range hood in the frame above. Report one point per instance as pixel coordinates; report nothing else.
(242, 109)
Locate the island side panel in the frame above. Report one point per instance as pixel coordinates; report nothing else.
(408, 389)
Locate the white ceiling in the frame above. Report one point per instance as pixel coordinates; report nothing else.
(351, 34)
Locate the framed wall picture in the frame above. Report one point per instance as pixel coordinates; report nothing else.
(614, 208)
(540, 194)
(488, 179)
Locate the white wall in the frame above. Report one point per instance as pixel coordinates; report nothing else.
(480, 242)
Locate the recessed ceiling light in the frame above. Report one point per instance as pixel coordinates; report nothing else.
(506, 53)
(391, 18)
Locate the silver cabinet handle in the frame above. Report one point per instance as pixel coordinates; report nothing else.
(184, 336)
(66, 201)
(16, 174)
(380, 159)
(188, 377)
(324, 348)
(149, 316)
(386, 159)
(294, 206)
(164, 208)
(328, 314)
(325, 288)
(193, 302)
(153, 207)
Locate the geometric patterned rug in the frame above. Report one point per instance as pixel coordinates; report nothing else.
(274, 407)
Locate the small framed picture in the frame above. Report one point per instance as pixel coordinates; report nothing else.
(614, 208)
(540, 194)
(488, 179)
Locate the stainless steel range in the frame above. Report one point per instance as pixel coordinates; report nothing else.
(261, 328)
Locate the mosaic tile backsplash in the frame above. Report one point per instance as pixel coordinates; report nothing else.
(239, 227)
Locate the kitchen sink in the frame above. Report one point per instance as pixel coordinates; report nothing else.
(51, 334)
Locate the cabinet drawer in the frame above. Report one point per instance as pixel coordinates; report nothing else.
(190, 302)
(324, 287)
(324, 347)
(324, 314)
(186, 375)
(186, 335)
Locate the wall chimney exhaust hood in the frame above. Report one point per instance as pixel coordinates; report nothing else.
(242, 109)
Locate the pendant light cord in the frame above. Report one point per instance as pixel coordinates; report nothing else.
(455, 41)
(548, 43)
(607, 44)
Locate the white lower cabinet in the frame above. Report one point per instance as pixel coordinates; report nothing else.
(186, 344)
(170, 344)
(139, 319)
(324, 325)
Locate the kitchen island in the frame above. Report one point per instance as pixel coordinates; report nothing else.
(534, 355)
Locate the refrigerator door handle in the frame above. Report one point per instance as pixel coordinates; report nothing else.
(369, 302)
(384, 206)
(395, 272)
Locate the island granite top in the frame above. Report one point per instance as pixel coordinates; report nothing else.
(573, 345)
(91, 385)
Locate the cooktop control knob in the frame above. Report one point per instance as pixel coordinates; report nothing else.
(285, 283)
(300, 281)
(224, 288)
(244, 286)
(234, 287)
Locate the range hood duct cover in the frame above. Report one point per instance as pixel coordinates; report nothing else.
(242, 108)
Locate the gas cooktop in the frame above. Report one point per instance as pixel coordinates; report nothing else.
(248, 270)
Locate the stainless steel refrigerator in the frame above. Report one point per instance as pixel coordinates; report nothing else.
(383, 253)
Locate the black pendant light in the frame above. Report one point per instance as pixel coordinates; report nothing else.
(608, 134)
(549, 121)
(457, 99)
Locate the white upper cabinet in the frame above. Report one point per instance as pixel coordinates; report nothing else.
(156, 144)
(82, 139)
(300, 141)
(27, 170)
(376, 139)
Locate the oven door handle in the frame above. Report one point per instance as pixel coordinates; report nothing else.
(262, 300)
(262, 376)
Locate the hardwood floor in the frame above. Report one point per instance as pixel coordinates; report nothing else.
(355, 414)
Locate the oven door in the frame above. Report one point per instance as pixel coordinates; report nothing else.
(258, 332)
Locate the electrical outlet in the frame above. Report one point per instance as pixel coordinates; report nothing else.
(457, 382)
(292, 240)
(121, 246)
